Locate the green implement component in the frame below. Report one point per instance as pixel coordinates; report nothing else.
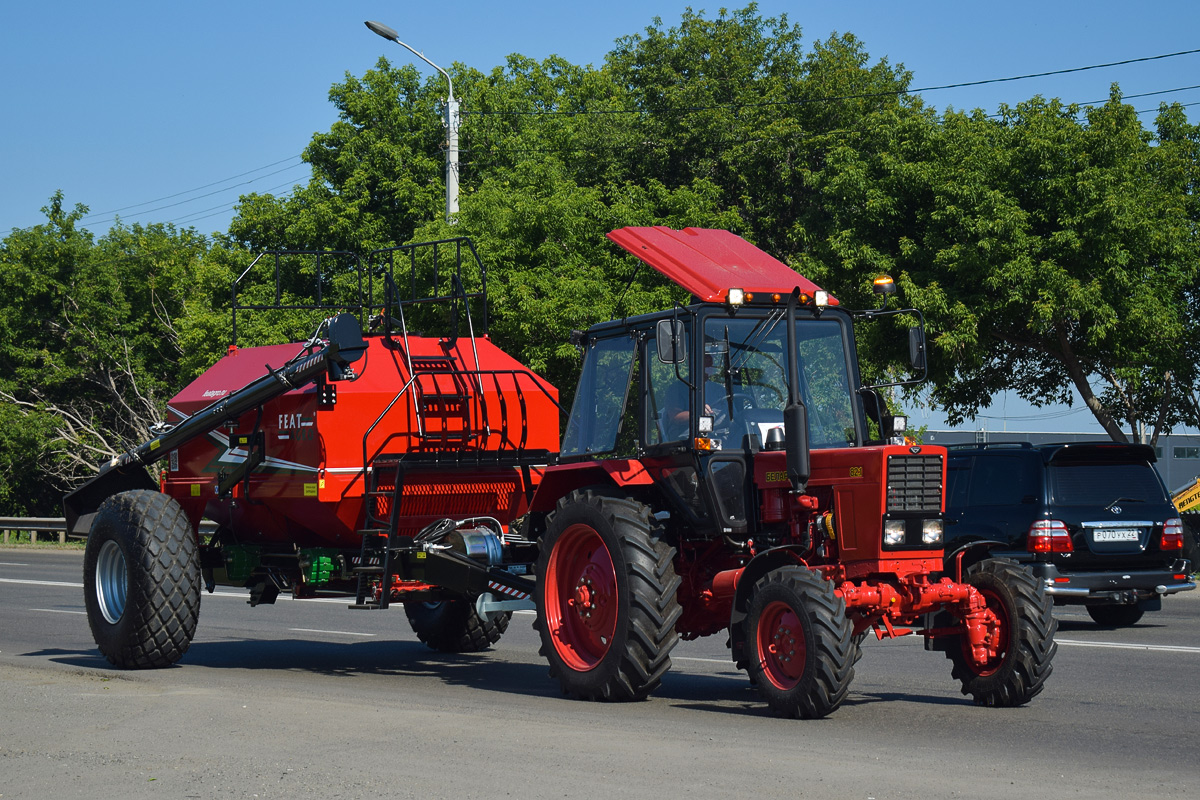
(317, 564)
(241, 561)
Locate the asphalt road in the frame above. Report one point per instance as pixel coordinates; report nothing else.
(312, 699)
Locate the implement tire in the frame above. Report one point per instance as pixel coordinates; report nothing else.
(799, 647)
(606, 605)
(1027, 626)
(141, 580)
(453, 626)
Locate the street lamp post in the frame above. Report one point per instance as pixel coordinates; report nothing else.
(451, 121)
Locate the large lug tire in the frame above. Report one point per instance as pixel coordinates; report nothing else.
(141, 580)
(1024, 637)
(453, 626)
(800, 649)
(1114, 616)
(606, 605)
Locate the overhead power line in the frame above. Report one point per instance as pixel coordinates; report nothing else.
(835, 98)
(189, 191)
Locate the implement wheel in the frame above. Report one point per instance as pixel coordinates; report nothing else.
(606, 598)
(1021, 638)
(800, 651)
(141, 580)
(453, 626)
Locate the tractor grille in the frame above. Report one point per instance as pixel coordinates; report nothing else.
(914, 483)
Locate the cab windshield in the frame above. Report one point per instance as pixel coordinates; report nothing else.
(744, 358)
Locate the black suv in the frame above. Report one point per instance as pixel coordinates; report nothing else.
(1091, 520)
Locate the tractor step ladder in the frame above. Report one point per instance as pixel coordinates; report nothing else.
(375, 557)
(443, 401)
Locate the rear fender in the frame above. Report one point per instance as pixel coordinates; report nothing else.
(560, 480)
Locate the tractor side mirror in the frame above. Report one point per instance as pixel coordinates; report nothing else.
(671, 341)
(916, 348)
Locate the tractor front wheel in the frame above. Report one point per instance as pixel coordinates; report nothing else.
(1020, 637)
(141, 580)
(606, 605)
(453, 626)
(799, 643)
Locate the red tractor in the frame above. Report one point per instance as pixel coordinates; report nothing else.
(716, 474)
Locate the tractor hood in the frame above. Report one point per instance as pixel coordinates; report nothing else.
(708, 262)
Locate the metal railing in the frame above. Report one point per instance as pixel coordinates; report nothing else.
(50, 525)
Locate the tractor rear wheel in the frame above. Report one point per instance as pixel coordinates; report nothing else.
(799, 643)
(141, 580)
(606, 605)
(453, 626)
(1022, 637)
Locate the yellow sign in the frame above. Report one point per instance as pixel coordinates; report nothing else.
(1188, 499)
(310, 490)
(856, 472)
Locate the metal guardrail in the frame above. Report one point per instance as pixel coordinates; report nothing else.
(38, 525)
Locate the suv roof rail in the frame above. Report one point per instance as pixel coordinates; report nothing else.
(989, 445)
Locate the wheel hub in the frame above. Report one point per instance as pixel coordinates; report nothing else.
(581, 612)
(112, 581)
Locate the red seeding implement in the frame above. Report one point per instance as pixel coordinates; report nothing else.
(716, 474)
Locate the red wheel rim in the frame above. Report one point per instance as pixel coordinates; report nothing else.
(781, 648)
(581, 598)
(997, 636)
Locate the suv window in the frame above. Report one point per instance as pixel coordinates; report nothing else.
(1003, 480)
(997, 479)
(1099, 484)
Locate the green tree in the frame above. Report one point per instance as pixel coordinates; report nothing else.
(89, 341)
(1057, 256)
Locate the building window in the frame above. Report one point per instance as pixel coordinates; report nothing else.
(1186, 452)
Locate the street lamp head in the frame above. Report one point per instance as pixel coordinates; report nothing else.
(383, 30)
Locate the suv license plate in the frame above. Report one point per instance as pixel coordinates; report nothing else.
(1117, 535)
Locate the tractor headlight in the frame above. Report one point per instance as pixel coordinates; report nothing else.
(893, 532)
(931, 531)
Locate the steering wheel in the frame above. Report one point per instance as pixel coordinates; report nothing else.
(740, 401)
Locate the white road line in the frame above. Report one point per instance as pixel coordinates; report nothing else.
(41, 583)
(1124, 646)
(11, 564)
(726, 661)
(1070, 642)
(58, 611)
(335, 633)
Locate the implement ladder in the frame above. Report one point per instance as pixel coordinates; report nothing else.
(375, 557)
(443, 401)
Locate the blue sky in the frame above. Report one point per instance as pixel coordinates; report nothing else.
(171, 110)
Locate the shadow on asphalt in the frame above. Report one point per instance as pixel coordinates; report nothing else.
(726, 692)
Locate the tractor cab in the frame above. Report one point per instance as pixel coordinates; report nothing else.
(695, 394)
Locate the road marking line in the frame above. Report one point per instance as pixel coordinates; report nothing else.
(1123, 646)
(58, 611)
(11, 564)
(726, 661)
(335, 633)
(41, 583)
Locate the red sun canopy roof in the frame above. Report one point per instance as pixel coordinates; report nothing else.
(708, 262)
